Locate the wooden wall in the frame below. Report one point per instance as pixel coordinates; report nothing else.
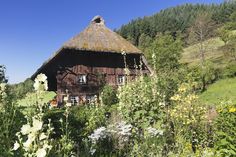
(99, 67)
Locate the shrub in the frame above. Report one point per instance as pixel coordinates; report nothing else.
(108, 95)
(230, 70)
(225, 131)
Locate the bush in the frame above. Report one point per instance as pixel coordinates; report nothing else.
(230, 70)
(108, 95)
(226, 132)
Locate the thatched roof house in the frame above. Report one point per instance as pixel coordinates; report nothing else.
(96, 50)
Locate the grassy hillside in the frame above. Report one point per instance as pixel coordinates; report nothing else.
(191, 54)
(223, 90)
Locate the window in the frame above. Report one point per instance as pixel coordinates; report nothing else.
(82, 79)
(74, 100)
(91, 98)
(121, 80)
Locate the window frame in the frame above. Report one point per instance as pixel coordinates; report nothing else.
(81, 77)
(119, 78)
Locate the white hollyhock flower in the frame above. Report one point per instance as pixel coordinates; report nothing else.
(42, 136)
(40, 82)
(25, 129)
(36, 84)
(46, 85)
(16, 146)
(37, 125)
(28, 143)
(41, 77)
(41, 152)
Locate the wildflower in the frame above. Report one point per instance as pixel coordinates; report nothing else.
(37, 125)
(41, 152)
(25, 129)
(42, 136)
(41, 82)
(154, 132)
(28, 143)
(92, 151)
(176, 97)
(124, 129)
(99, 133)
(232, 109)
(16, 146)
(41, 77)
(36, 85)
(182, 88)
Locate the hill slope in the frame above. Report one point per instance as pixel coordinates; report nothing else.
(223, 90)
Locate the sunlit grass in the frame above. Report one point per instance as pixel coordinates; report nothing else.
(191, 54)
(31, 99)
(223, 90)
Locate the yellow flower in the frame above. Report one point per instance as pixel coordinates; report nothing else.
(233, 109)
(175, 97)
(182, 88)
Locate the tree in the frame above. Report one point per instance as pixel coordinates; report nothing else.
(202, 30)
(2, 74)
(228, 34)
(144, 43)
(166, 52)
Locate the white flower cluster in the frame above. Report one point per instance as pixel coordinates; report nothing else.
(153, 132)
(124, 129)
(41, 83)
(32, 139)
(120, 130)
(99, 133)
(36, 140)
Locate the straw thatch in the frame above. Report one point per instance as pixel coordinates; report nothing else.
(97, 37)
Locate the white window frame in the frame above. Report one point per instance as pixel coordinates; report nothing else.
(121, 79)
(74, 100)
(82, 79)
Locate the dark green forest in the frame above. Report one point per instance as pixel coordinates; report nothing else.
(174, 20)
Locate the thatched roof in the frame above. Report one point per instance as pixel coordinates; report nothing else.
(97, 37)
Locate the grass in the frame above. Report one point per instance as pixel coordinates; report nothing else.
(222, 90)
(31, 98)
(27, 103)
(191, 54)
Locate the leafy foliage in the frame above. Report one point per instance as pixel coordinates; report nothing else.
(226, 132)
(108, 95)
(20, 90)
